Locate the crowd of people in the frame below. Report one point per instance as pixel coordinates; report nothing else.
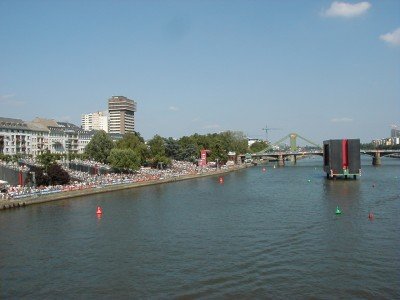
(85, 180)
(14, 166)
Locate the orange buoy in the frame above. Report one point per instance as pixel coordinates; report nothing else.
(99, 211)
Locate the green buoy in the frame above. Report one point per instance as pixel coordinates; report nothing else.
(338, 211)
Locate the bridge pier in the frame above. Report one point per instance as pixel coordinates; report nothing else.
(376, 160)
(281, 162)
(294, 159)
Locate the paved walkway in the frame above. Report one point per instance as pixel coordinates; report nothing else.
(5, 204)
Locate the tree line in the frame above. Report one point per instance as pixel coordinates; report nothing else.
(369, 146)
(131, 151)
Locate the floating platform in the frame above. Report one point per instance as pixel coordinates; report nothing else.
(342, 158)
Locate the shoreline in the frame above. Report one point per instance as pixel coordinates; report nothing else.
(15, 203)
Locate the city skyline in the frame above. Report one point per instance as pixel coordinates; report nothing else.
(323, 69)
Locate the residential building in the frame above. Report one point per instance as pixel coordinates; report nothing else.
(40, 138)
(41, 135)
(395, 132)
(15, 137)
(63, 137)
(386, 141)
(87, 121)
(121, 111)
(84, 138)
(95, 121)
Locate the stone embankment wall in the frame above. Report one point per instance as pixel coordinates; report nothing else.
(5, 204)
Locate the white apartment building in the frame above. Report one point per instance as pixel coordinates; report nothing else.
(36, 137)
(41, 135)
(40, 139)
(121, 112)
(87, 121)
(15, 137)
(95, 121)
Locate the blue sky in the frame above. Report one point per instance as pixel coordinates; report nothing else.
(323, 69)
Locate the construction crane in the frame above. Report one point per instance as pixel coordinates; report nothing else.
(266, 129)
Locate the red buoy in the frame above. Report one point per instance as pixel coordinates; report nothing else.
(371, 216)
(99, 211)
(221, 180)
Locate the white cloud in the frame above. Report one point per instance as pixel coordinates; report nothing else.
(9, 100)
(173, 108)
(392, 37)
(7, 96)
(341, 120)
(346, 10)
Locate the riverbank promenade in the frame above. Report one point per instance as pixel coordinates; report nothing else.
(21, 196)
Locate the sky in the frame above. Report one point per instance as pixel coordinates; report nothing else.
(322, 69)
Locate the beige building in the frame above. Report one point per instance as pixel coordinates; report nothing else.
(18, 137)
(95, 121)
(121, 111)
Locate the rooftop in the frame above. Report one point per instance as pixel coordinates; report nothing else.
(13, 123)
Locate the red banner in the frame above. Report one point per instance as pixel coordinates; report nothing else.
(20, 179)
(345, 155)
(203, 158)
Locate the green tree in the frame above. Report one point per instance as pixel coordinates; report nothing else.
(234, 141)
(5, 157)
(134, 142)
(158, 152)
(258, 146)
(203, 141)
(157, 146)
(217, 151)
(124, 159)
(367, 146)
(46, 159)
(17, 157)
(41, 179)
(188, 143)
(172, 148)
(130, 140)
(81, 156)
(241, 144)
(188, 153)
(99, 147)
(158, 160)
(57, 175)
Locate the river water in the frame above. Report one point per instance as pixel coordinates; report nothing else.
(270, 234)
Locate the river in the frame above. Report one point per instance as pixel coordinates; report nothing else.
(270, 234)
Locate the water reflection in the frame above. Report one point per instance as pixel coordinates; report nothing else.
(260, 233)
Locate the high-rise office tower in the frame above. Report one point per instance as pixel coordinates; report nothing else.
(121, 112)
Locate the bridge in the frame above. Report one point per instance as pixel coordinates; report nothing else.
(293, 141)
(377, 154)
(281, 156)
